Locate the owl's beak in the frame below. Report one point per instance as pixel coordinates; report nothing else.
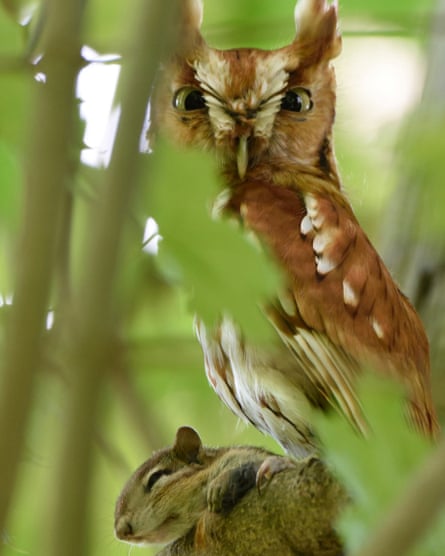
(241, 156)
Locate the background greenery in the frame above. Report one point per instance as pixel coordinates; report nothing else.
(119, 369)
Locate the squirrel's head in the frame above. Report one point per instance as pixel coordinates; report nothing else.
(164, 497)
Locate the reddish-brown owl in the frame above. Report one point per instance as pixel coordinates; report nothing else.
(268, 116)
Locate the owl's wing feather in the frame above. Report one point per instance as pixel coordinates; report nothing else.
(351, 296)
(335, 370)
(328, 367)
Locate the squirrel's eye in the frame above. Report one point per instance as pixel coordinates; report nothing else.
(297, 100)
(154, 478)
(189, 98)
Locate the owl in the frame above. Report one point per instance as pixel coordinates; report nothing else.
(268, 118)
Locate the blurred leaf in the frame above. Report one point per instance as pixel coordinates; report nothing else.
(221, 269)
(377, 469)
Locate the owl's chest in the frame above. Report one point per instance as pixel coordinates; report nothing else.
(274, 214)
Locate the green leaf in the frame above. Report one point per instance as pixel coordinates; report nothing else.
(221, 268)
(375, 470)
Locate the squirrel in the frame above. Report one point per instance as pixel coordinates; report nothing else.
(203, 501)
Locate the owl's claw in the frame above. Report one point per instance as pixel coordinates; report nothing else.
(270, 467)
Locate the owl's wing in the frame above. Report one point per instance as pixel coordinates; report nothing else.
(344, 311)
(351, 296)
(326, 365)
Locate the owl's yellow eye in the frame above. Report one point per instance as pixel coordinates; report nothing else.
(188, 98)
(297, 100)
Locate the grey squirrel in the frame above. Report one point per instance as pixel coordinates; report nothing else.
(232, 500)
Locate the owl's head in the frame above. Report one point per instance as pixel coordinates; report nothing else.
(260, 111)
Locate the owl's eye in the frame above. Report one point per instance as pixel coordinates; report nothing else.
(297, 100)
(188, 98)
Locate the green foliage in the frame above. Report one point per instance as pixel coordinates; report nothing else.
(221, 269)
(377, 469)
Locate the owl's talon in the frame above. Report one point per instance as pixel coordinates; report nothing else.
(270, 467)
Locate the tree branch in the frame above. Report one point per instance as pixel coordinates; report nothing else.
(46, 167)
(93, 309)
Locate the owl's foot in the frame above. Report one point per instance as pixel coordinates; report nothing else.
(270, 467)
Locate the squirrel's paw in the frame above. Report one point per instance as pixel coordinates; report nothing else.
(229, 487)
(270, 467)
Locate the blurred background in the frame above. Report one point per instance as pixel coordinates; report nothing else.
(99, 361)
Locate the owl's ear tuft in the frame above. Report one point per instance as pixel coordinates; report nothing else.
(190, 19)
(191, 15)
(318, 38)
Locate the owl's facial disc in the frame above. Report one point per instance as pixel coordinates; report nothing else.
(242, 90)
(233, 97)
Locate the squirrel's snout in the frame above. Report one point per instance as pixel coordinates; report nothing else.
(123, 528)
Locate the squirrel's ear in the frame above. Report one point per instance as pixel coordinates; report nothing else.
(187, 445)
